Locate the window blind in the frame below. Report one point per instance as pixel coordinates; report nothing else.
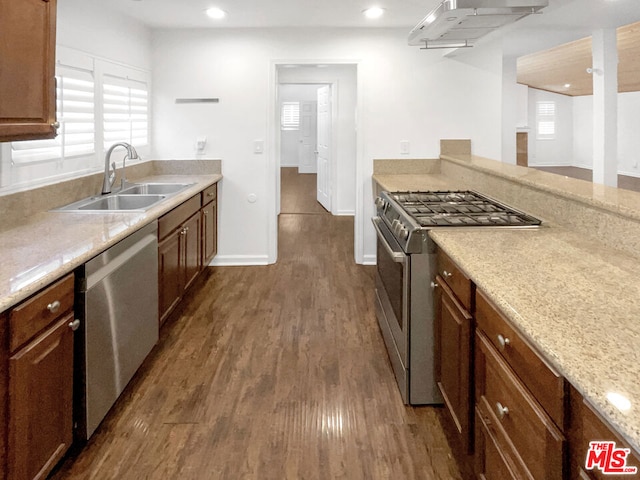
(546, 120)
(75, 111)
(290, 118)
(126, 111)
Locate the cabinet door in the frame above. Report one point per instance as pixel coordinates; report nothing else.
(41, 402)
(192, 237)
(170, 274)
(453, 329)
(209, 232)
(27, 69)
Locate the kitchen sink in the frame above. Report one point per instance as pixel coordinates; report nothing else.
(137, 197)
(122, 202)
(154, 188)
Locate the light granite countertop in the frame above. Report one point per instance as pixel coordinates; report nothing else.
(52, 244)
(575, 299)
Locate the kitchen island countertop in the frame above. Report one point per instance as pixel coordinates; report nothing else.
(575, 299)
(51, 244)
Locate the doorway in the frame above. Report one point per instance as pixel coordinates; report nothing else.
(342, 186)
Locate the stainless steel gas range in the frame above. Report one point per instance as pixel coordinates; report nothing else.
(406, 270)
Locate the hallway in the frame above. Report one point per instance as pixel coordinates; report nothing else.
(272, 372)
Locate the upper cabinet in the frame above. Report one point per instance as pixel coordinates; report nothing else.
(27, 69)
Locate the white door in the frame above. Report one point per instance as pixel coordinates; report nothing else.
(324, 147)
(308, 138)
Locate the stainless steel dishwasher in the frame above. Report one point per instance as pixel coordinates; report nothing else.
(118, 300)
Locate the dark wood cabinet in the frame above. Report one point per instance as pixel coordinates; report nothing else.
(209, 225)
(27, 69)
(519, 403)
(454, 348)
(585, 426)
(40, 381)
(179, 250)
(187, 237)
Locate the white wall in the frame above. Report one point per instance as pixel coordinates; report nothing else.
(404, 93)
(86, 25)
(629, 133)
(558, 151)
(583, 131)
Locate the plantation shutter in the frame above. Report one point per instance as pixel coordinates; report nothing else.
(290, 119)
(126, 111)
(76, 113)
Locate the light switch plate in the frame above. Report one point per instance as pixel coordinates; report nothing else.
(404, 147)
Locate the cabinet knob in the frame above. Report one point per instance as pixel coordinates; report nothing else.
(501, 410)
(434, 285)
(53, 307)
(446, 274)
(210, 194)
(74, 325)
(503, 341)
(56, 125)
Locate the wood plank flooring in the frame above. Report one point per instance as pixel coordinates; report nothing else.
(271, 372)
(298, 192)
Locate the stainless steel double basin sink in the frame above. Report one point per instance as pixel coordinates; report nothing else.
(137, 197)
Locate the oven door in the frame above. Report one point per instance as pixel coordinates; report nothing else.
(392, 291)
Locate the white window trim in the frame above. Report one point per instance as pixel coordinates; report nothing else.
(549, 119)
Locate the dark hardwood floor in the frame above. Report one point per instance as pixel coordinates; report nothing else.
(298, 192)
(271, 372)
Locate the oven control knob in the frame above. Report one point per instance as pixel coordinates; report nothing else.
(404, 233)
(380, 203)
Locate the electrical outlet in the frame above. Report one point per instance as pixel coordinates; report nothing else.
(404, 147)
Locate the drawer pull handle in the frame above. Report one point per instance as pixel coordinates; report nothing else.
(503, 341)
(501, 410)
(210, 194)
(74, 325)
(446, 274)
(53, 307)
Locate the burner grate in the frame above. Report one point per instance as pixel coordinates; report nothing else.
(460, 208)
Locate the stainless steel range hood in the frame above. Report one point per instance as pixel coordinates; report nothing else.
(459, 23)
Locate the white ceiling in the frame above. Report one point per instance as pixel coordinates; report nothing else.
(562, 21)
(273, 13)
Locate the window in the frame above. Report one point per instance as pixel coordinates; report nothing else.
(99, 103)
(290, 118)
(546, 120)
(75, 111)
(125, 117)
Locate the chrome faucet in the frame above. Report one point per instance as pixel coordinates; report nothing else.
(110, 173)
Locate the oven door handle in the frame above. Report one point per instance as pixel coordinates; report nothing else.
(396, 256)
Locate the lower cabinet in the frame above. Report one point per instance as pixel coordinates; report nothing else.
(586, 426)
(187, 241)
(40, 382)
(179, 263)
(454, 332)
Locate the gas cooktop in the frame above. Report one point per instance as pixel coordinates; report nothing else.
(459, 208)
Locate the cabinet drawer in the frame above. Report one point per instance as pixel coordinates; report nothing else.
(545, 383)
(456, 280)
(38, 312)
(506, 403)
(491, 462)
(586, 425)
(209, 194)
(172, 220)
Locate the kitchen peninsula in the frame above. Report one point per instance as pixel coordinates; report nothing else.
(570, 287)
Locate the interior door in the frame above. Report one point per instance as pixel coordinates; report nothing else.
(324, 147)
(308, 138)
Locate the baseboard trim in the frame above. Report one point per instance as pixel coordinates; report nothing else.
(345, 213)
(369, 260)
(239, 260)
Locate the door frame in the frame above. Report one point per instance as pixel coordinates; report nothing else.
(273, 153)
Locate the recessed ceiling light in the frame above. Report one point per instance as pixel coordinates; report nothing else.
(567, 85)
(216, 13)
(373, 12)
